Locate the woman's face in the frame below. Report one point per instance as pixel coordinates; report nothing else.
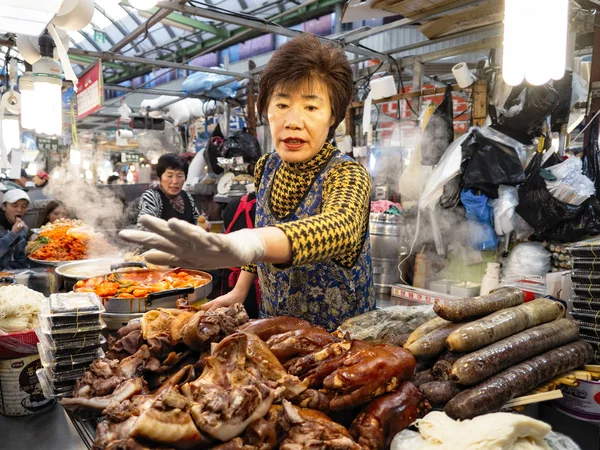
(15, 210)
(172, 181)
(57, 213)
(300, 120)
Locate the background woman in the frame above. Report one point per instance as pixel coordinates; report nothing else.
(13, 231)
(168, 200)
(311, 242)
(54, 210)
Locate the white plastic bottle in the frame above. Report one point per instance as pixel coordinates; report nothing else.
(491, 279)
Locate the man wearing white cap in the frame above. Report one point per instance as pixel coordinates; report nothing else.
(13, 231)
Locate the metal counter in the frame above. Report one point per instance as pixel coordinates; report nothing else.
(50, 430)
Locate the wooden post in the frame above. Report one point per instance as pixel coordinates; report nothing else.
(417, 86)
(251, 105)
(480, 103)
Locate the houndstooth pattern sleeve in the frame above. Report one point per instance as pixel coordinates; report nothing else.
(339, 232)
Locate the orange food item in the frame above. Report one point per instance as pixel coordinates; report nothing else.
(139, 284)
(64, 245)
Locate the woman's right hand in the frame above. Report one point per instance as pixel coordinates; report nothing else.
(224, 301)
(18, 226)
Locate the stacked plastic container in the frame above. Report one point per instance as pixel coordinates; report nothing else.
(586, 284)
(70, 339)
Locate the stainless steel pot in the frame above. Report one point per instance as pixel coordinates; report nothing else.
(386, 232)
(154, 300)
(70, 273)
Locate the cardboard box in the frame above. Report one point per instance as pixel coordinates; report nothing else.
(488, 12)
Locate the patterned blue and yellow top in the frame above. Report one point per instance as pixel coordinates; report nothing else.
(322, 205)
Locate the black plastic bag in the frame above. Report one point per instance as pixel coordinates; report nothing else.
(213, 150)
(489, 164)
(439, 132)
(585, 224)
(242, 144)
(537, 206)
(591, 155)
(537, 103)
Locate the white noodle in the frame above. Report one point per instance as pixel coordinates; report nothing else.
(19, 308)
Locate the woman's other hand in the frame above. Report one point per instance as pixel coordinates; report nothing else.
(224, 301)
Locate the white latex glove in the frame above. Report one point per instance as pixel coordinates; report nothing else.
(180, 244)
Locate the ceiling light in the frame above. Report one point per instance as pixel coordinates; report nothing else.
(27, 16)
(535, 50)
(29, 105)
(47, 85)
(11, 133)
(143, 4)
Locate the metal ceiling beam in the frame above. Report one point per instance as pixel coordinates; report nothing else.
(91, 60)
(108, 56)
(116, 23)
(188, 22)
(141, 29)
(137, 21)
(250, 23)
(240, 33)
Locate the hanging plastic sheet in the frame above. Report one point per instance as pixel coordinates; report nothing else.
(202, 83)
(439, 132)
(479, 217)
(489, 164)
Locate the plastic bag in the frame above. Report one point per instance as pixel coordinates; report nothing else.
(537, 205)
(22, 343)
(575, 229)
(242, 144)
(374, 325)
(527, 259)
(504, 209)
(528, 106)
(447, 168)
(591, 156)
(572, 186)
(479, 217)
(558, 441)
(489, 164)
(213, 150)
(439, 132)
(563, 88)
(202, 82)
(412, 440)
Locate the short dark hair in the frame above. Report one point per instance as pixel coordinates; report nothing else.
(171, 161)
(297, 62)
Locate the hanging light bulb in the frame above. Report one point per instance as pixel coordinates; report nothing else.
(11, 133)
(143, 4)
(28, 103)
(535, 50)
(47, 85)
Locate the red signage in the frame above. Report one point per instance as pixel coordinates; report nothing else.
(89, 91)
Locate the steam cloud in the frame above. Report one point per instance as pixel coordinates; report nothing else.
(97, 207)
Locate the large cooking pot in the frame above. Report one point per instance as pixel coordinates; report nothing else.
(154, 300)
(71, 272)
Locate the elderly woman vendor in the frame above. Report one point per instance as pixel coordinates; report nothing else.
(310, 248)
